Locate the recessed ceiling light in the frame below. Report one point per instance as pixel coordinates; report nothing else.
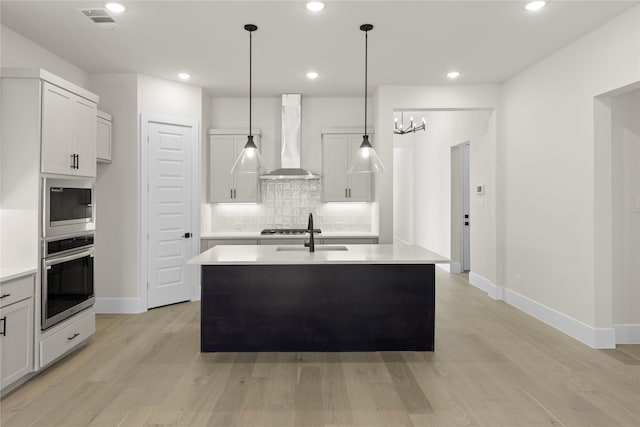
(115, 7)
(184, 76)
(453, 74)
(312, 75)
(315, 6)
(532, 6)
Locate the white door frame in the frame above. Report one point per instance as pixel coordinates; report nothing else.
(145, 119)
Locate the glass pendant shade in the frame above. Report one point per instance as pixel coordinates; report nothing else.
(249, 160)
(365, 159)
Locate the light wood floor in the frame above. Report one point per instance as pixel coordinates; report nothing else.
(493, 366)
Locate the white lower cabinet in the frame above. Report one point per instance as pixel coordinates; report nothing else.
(70, 335)
(16, 330)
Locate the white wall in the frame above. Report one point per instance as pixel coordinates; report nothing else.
(403, 189)
(169, 99)
(426, 161)
(626, 186)
(429, 157)
(481, 97)
(125, 97)
(18, 51)
(549, 207)
(117, 260)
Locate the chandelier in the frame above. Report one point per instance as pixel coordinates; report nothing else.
(400, 129)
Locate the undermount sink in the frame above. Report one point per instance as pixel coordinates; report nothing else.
(318, 248)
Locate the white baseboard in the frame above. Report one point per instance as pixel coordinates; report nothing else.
(494, 291)
(593, 337)
(453, 267)
(627, 333)
(118, 306)
(445, 267)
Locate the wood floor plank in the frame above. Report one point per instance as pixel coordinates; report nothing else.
(493, 366)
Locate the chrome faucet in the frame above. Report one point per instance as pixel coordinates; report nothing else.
(311, 244)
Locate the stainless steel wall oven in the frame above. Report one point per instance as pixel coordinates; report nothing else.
(69, 206)
(67, 277)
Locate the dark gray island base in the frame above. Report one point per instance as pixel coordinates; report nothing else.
(318, 307)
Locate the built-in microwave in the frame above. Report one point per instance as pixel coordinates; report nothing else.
(68, 206)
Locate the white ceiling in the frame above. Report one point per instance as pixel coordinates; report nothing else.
(413, 42)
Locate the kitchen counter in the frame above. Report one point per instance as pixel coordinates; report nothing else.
(11, 273)
(364, 298)
(397, 253)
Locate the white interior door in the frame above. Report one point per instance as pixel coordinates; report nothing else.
(169, 216)
(466, 211)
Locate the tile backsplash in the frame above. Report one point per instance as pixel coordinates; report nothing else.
(286, 204)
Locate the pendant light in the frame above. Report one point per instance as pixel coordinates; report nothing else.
(366, 160)
(249, 160)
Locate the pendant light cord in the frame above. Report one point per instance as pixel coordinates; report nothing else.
(366, 48)
(250, 68)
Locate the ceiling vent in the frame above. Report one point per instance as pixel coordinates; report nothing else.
(101, 17)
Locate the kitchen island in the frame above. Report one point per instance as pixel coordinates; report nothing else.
(338, 298)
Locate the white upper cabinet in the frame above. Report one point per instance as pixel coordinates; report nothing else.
(68, 132)
(225, 187)
(337, 184)
(103, 137)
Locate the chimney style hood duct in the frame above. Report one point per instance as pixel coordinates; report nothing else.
(290, 151)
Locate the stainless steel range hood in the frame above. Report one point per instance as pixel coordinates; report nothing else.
(290, 151)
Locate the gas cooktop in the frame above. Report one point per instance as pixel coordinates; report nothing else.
(289, 231)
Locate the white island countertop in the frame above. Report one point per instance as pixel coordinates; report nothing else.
(397, 253)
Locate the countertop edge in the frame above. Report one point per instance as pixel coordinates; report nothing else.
(357, 254)
(8, 274)
(323, 262)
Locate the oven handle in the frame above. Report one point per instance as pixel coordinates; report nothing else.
(58, 260)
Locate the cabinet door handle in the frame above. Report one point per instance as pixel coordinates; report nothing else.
(235, 193)
(73, 161)
(345, 193)
(77, 161)
(231, 193)
(349, 193)
(4, 326)
(3, 296)
(73, 336)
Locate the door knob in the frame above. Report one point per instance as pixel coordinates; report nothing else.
(187, 235)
